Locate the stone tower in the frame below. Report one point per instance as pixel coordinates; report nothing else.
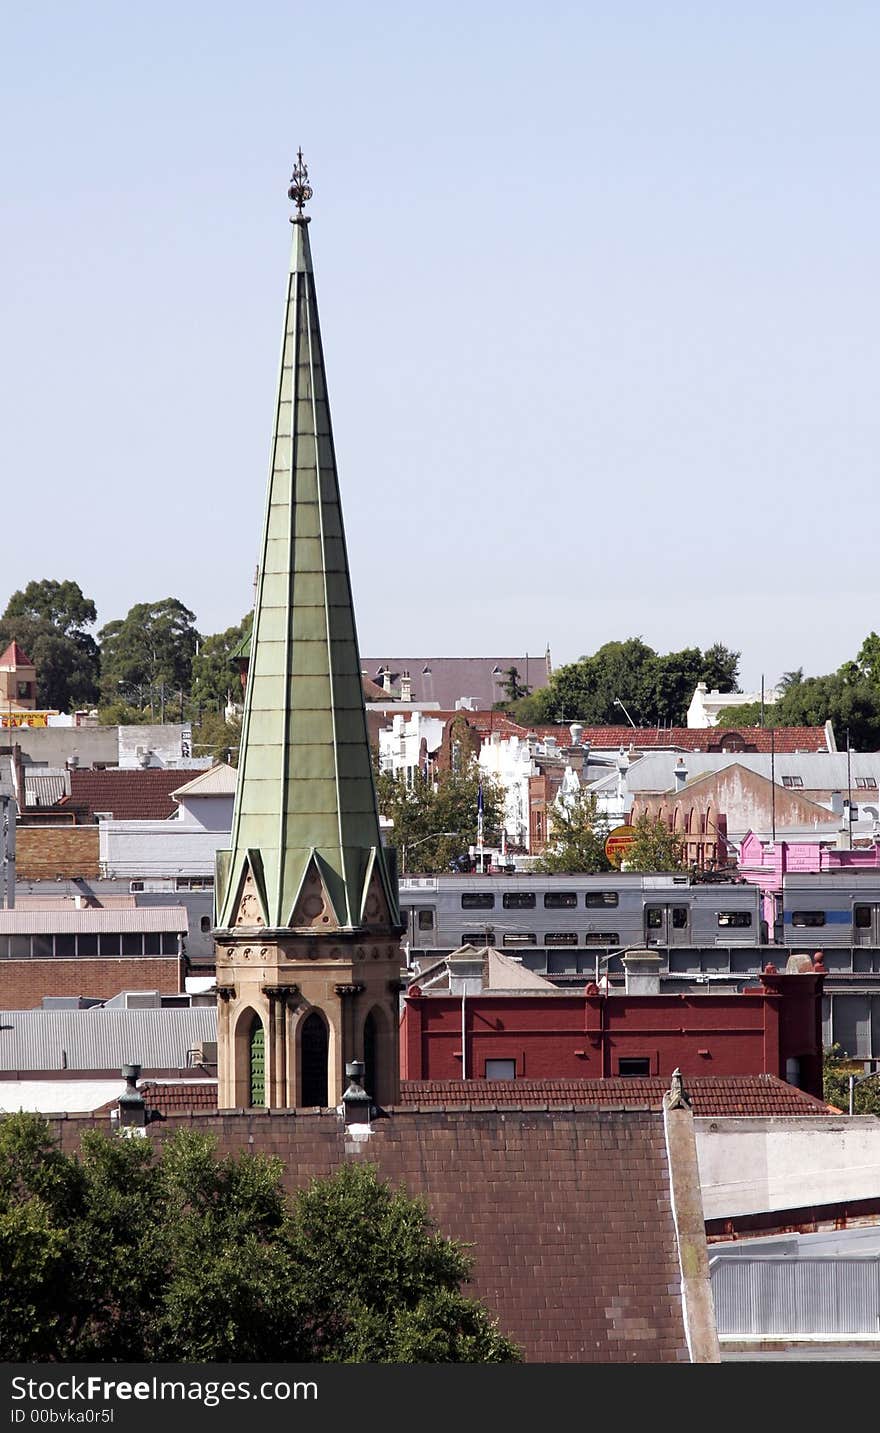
(307, 926)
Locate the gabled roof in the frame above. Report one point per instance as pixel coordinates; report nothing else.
(15, 657)
(131, 795)
(219, 780)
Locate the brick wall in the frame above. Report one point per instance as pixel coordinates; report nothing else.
(569, 1212)
(23, 983)
(42, 853)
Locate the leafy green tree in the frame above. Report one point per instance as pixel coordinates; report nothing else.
(514, 690)
(654, 848)
(424, 812)
(576, 844)
(48, 619)
(149, 653)
(216, 737)
(836, 1070)
(630, 677)
(127, 1253)
(61, 603)
(215, 677)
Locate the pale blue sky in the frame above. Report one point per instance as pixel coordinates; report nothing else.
(598, 291)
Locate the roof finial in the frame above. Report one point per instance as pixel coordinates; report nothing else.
(300, 190)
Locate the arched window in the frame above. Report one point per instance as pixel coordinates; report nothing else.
(313, 1060)
(257, 1065)
(370, 1055)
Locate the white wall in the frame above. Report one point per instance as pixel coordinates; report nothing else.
(748, 1166)
(133, 849)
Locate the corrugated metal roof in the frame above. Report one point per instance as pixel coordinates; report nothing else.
(101, 1039)
(90, 919)
(44, 788)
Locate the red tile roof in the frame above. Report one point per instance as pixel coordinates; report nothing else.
(179, 1098)
(134, 795)
(711, 1095)
(15, 657)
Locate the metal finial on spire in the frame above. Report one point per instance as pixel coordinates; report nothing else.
(300, 190)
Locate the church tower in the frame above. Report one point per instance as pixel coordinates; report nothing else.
(307, 926)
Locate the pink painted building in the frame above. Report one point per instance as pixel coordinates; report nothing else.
(764, 863)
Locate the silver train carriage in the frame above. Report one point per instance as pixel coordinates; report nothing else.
(513, 912)
(839, 908)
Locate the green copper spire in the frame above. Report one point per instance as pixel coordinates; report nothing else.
(305, 818)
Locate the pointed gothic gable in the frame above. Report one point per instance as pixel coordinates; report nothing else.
(248, 907)
(375, 910)
(313, 908)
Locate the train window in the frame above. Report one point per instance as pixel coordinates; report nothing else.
(559, 900)
(862, 916)
(518, 900)
(634, 1065)
(561, 937)
(426, 920)
(654, 917)
(526, 938)
(478, 938)
(478, 901)
(605, 937)
(601, 898)
(737, 919)
(808, 918)
(679, 917)
(792, 781)
(867, 783)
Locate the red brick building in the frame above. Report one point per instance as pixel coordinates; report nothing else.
(774, 1029)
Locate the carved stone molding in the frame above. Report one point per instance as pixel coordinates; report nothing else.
(226, 992)
(352, 989)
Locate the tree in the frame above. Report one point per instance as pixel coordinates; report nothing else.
(218, 738)
(654, 848)
(576, 843)
(128, 1253)
(836, 1070)
(630, 677)
(214, 675)
(61, 603)
(513, 688)
(149, 652)
(48, 620)
(423, 812)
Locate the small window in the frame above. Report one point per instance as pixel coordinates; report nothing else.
(654, 917)
(862, 916)
(499, 1070)
(603, 937)
(561, 937)
(42, 947)
(478, 936)
(601, 898)
(426, 920)
(132, 944)
(169, 943)
(86, 945)
(634, 1065)
(205, 924)
(737, 920)
(526, 938)
(679, 917)
(810, 919)
(478, 901)
(135, 885)
(792, 781)
(109, 945)
(560, 900)
(65, 946)
(518, 900)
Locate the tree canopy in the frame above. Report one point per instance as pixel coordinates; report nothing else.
(576, 842)
(654, 848)
(150, 652)
(436, 821)
(629, 680)
(129, 1253)
(48, 619)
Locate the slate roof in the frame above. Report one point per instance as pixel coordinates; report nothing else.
(711, 1095)
(131, 795)
(447, 679)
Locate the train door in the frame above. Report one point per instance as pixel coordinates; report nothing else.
(866, 923)
(667, 923)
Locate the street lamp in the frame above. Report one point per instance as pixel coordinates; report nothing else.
(411, 845)
(619, 703)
